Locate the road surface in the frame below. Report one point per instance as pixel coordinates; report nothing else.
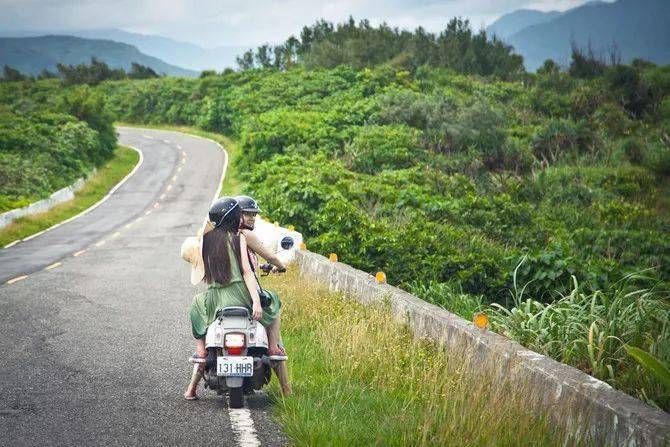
(94, 348)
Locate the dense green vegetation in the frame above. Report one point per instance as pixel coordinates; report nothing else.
(49, 138)
(446, 182)
(95, 188)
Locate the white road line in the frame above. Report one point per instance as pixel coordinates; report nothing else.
(179, 169)
(101, 243)
(174, 177)
(169, 187)
(156, 205)
(243, 426)
(148, 137)
(117, 234)
(53, 266)
(162, 196)
(147, 213)
(166, 141)
(92, 207)
(18, 278)
(80, 252)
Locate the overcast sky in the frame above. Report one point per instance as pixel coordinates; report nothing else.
(213, 23)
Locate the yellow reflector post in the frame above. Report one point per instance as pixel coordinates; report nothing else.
(381, 277)
(481, 320)
(303, 246)
(333, 257)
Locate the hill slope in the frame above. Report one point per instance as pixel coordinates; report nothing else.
(32, 54)
(182, 54)
(512, 23)
(637, 28)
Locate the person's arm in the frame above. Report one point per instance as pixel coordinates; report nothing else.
(257, 246)
(250, 280)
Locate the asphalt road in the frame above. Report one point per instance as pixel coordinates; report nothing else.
(94, 350)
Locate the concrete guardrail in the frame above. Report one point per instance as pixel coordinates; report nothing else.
(60, 196)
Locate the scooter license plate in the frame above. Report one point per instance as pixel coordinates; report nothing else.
(233, 366)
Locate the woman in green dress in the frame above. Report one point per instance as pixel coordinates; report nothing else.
(230, 278)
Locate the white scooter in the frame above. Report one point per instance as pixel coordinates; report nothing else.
(237, 354)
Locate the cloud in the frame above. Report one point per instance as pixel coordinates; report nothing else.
(248, 23)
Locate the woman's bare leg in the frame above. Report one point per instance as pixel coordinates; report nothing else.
(197, 368)
(281, 371)
(279, 366)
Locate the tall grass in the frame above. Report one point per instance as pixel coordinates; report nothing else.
(361, 379)
(589, 331)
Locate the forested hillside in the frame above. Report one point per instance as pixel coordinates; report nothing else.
(49, 138)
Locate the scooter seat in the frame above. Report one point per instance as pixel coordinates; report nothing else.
(232, 312)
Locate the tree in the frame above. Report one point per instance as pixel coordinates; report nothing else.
(11, 74)
(246, 62)
(138, 71)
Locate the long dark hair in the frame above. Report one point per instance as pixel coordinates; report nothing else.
(215, 250)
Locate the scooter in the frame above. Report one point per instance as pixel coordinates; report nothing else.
(237, 359)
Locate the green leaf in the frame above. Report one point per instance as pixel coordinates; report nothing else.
(651, 364)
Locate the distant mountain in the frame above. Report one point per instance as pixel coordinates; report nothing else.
(514, 22)
(183, 54)
(32, 54)
(635, 28)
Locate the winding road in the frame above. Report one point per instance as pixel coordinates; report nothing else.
(94, 333)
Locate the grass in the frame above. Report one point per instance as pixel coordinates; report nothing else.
(361, 379)
(231, 185)
(94, 189)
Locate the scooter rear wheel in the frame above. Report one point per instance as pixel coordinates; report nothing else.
(235, 397)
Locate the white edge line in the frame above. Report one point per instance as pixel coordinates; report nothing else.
(243, 426)
(92, 207)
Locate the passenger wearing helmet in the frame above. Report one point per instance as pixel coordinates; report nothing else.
(230, 278)
(255, 247)
(250, 210)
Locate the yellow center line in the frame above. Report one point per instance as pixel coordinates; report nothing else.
(139, 218)
(53, 266)
(174, 177)
(147, 213)
(117, 234)
(80, 252)
(183, 160)
(168, 188)
(156, 205)
(18, 278)
(183, 153)
(179, 169)
(162, 196)
(128, 225)
(101, 243)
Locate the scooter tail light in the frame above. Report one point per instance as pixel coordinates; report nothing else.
(234, 351)
(234, 340)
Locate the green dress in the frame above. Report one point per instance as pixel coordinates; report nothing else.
(217, 296)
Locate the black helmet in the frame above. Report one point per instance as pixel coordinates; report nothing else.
(223, 211)
(248, 204)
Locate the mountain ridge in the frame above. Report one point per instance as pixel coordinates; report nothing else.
(33, 54)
